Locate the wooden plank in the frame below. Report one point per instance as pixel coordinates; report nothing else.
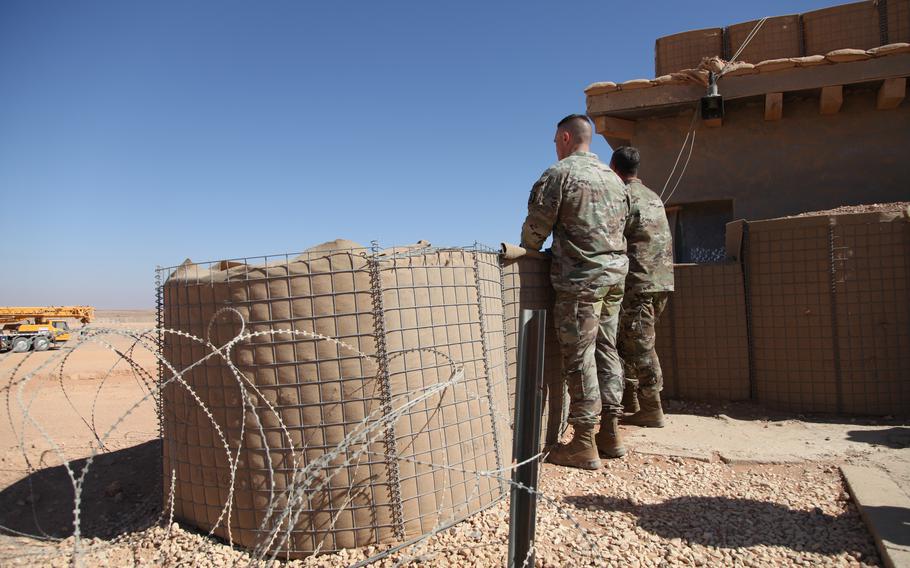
(891, 94)
(617, 142)
(628, 104)
(807, 78)
(662, 95)
(610, 127)
(774, 106)
(831, 99)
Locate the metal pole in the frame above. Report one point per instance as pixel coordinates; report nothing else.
(532, 331)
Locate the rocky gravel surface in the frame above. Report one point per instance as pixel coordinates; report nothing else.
(865, 208)
(642, 511)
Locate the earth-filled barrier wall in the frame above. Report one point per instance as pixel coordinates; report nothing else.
(320, 429)
(828, 299)
(808, 314)
(857, 25)
(300, 393)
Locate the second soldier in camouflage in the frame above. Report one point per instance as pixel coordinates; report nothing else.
(648, 286)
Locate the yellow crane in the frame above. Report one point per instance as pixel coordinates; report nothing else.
(38, 328)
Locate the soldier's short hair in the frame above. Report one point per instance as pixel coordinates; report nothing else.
(625, 160)
(578, 126)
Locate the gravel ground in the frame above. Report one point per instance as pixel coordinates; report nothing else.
(639, 511)
(866, 208)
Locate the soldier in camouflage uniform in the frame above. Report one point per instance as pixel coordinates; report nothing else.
(584, 204)
(648, 286)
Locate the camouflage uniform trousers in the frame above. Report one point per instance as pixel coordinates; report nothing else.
(586, 329)
(637, 336)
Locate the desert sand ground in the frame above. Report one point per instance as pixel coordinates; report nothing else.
(730, 485)
(95, 388)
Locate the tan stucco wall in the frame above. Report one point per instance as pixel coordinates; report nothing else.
(804, 162)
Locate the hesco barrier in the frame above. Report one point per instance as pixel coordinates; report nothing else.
(811, 314)
(815, 317)
(526, 285)
(787, 265)
(701, 340)
(872, 290)
(898, 21)
(404, 316)
(701, 337)
(686, 50)
(829, 301)
(859, 25)
(778, 37)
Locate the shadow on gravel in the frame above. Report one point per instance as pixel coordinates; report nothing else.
(734, 523)
(121, 493)
(895, 438)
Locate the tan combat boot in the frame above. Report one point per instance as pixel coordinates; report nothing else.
(580, 452)
(608, 441)
(630, 399)
(651, 414)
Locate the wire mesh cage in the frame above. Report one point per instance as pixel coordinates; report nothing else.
(871, 268)
(898, 17)
(788, 268)
(701, 338)
(338, 398)
(777, 38)
(815, 318)
(857, 25)
(830, 312)
(526, 285)
(350, 396)
(686, 50)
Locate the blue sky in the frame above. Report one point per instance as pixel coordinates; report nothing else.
(134, 134)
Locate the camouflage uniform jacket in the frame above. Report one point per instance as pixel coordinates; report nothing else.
(650, 242)
(585, 205)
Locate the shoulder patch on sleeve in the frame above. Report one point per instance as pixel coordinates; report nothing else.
(537, 192)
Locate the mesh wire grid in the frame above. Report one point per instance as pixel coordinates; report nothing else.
(898, 21)
(526, 285)
(665, 346)
(820, 321)
(685, 50)
(778, 37)
(791, 314)
(829, 331)
(831, 321)
(872, 297)
(701, 337)
(444, 301)
(855, 25)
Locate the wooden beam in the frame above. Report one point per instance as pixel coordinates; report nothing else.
(610, 127)
(774, 106)
(641, 102)
(661, 95)
(831, 99)
(617, 142)
(891, 94)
